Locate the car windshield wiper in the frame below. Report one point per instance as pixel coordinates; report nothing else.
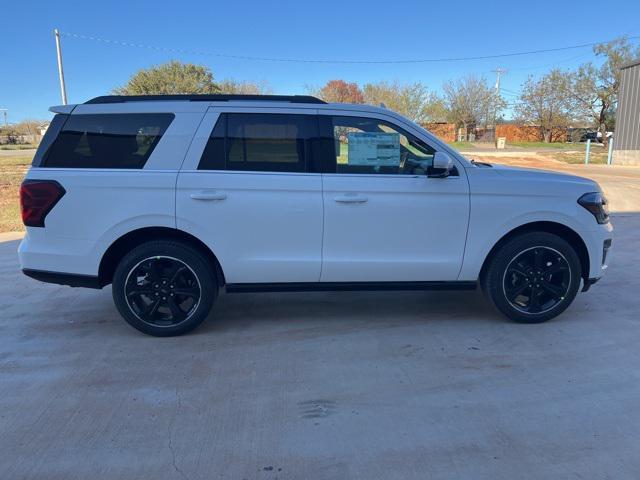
(481, 164)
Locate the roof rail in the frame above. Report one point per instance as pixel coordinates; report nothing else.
(204, 98)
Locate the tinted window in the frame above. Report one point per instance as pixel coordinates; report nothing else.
(107, 140)
(260, 142)
(57, 122)
(369, 145)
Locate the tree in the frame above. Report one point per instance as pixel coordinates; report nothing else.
(28, 127)
(244, 87)
(413, 100)
(173, 77)
(595, 88)
(470, 101)
(339, 91)
(547, 103)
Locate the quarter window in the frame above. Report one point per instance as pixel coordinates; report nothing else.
(260, 142)
(107, 140)
(369, 145)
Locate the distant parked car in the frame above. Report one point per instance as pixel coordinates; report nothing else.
(173, 198)
(594, 136)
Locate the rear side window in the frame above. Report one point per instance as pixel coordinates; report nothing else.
(260, 142)
(57, 122)
(107, 140)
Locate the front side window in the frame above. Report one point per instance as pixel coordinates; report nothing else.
(260, 142)
(369, 145)
(107, 140)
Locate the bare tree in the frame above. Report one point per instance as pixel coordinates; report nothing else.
(471, 101)
(547, 103)
(595, 88)
(413, 100)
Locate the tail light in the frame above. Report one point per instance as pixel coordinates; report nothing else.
(37, 198)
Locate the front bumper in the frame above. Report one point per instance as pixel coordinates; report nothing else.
(598, 242)
(588, 282)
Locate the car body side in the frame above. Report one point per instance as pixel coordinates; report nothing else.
(501, 200)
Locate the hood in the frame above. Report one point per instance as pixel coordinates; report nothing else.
(534, 174)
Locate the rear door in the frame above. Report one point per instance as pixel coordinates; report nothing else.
(385, 220)
(249, 191)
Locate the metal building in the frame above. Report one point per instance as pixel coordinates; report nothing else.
(626, 143)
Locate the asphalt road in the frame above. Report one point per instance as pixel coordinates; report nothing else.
(401, 385)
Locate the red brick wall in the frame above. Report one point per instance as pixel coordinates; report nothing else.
(445, 131)
(527, 133)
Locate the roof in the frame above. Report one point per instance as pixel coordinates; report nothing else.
(633, 63)
(205, 98)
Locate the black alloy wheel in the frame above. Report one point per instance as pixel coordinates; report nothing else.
(532, 277)
(162, 291)
(537, 280)
(165, 287)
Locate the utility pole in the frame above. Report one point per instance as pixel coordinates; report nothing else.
(499, 72)
(63, 88)
(4, 112)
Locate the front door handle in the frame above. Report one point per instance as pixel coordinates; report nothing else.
(350, 198)
(208, 195)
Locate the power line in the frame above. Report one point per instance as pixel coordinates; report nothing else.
(554, 64)
(300, 60)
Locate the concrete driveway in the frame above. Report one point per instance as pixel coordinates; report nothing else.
(402, 385)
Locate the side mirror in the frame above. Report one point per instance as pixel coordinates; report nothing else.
(442, 165)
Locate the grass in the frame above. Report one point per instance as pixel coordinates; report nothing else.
(12, 171)
(18, 147)
(578, 157)
(523, 145)
(462, 145)
(559, 145)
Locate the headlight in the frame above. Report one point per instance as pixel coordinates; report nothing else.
(596, 203)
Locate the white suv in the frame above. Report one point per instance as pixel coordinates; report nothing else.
(173, 198)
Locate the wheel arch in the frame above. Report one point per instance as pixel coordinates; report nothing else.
(562, 231)
(132, 239)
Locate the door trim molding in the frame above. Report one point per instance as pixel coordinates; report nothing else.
(347, 286)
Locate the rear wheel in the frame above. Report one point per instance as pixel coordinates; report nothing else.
(533, 277)
(164, 288)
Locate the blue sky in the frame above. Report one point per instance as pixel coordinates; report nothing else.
(328, 29)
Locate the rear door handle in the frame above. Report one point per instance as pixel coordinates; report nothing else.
(350, 198)
(208, 195)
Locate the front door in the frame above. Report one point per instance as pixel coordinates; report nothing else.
(384, 218)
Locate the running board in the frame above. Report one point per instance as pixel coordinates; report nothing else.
(346, 286)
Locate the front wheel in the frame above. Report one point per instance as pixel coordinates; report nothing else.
(533, 277)
(164, 288)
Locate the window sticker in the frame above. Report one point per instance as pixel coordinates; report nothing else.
(374, 149)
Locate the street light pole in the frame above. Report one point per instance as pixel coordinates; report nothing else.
(63, 88)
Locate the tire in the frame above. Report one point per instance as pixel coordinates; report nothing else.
(164, 288)
(533, 277)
